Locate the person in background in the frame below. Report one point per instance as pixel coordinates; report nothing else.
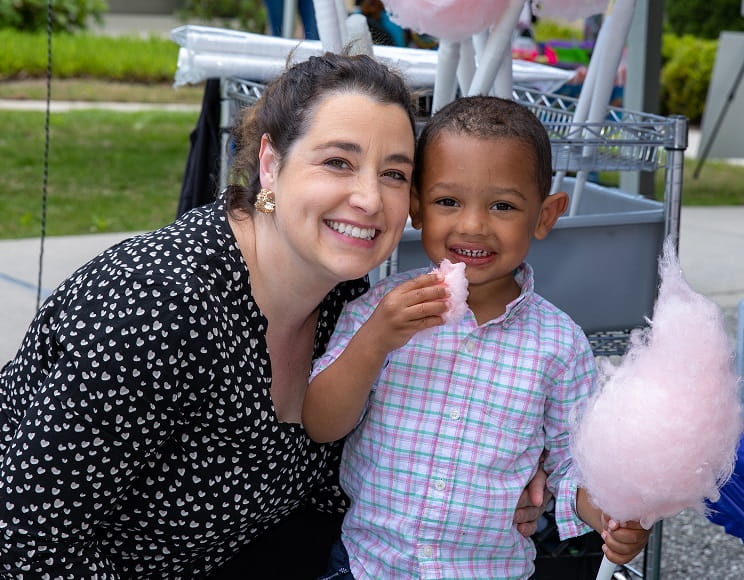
(383, 30)
(446, 423)
(306, 10)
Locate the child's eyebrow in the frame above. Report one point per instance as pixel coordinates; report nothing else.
(352, 147)
(447, 186)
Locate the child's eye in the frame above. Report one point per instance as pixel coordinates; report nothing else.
(447, 202)
(502, 206)
(338, 163)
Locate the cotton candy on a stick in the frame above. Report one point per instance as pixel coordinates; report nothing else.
(661, 433)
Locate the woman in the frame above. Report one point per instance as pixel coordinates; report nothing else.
(149, 424)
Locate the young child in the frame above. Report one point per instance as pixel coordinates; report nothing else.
(446, 427)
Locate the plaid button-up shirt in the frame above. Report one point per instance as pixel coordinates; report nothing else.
(452, 433)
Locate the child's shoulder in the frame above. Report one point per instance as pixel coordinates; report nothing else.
(552, 315)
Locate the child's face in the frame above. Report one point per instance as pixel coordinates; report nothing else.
(479, 204)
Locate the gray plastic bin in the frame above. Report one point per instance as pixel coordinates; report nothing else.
(600, 265)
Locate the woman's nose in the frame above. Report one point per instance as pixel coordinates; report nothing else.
(367, 196)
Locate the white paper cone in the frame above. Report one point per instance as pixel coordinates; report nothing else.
(445, 86)
(329, 28)
(606, 569)
(466, 65)
(503, 83)
(594, 100)
(359, 36)
(499, 41)
(342, 15)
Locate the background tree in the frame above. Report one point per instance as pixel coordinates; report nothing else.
(703, 18)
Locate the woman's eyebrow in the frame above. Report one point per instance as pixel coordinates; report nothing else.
(356, 148)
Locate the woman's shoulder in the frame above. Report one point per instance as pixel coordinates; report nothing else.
(173, 253)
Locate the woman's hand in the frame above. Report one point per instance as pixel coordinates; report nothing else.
(532, 503)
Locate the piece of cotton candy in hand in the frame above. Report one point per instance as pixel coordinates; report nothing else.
(661, 433)
(454, 278)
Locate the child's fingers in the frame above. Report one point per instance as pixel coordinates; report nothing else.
(423, 289)
(432, 281)
(624, 542)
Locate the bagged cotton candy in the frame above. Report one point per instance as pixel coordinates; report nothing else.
(661, 434)
(446, 19)
(454, 278)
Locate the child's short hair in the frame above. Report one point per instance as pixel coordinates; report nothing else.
(491, 118)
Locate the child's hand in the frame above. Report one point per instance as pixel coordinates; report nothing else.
(623, 542)
(413, 306)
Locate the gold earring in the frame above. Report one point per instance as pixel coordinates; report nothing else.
(265, 201)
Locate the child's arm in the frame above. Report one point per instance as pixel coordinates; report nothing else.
(623, 542)
(335, 397)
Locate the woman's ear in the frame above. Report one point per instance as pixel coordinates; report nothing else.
(268, 163)
(552, 208)
(415, 209)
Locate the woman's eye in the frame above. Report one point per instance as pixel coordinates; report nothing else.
(397, 175)
(338, 163)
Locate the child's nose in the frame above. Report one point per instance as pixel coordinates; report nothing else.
(472, 222)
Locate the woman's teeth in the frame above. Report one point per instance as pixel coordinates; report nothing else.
(352, 231)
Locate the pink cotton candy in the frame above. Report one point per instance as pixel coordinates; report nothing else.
(446, 19)
(661, 434)
(457, 286)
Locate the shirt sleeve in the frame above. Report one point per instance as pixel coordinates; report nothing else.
(353, 315)
(120, 383)
(574, 382)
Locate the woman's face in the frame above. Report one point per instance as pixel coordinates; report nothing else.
(342, 193)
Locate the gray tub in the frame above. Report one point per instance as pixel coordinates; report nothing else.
(599, 265)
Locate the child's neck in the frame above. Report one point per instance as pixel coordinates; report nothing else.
(488, 302)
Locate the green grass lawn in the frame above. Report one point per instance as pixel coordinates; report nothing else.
(119, 172)
(108, 171)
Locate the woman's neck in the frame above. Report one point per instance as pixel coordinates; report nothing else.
(285, 288)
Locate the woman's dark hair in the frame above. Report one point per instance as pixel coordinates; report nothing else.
(285, 110)
(490, 118)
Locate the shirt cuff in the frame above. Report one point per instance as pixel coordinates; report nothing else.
(569, 523)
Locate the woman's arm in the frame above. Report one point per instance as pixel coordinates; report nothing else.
(336, 396)
(96, 417)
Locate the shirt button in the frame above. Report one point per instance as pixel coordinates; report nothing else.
(469, 346)
(454, 414)
(428, 551)
(439, 484)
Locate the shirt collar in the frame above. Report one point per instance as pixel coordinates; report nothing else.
(524, 278)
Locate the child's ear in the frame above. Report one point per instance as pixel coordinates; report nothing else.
(552, 208)
(415, 209)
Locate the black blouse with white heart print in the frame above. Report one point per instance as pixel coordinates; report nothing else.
(137, 433)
